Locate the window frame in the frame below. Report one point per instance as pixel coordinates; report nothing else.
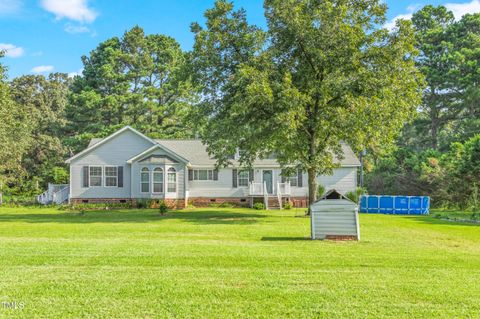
(90, 175)
(145, 170)
(105, 176)
(209, 176)
(175, 182)
(242, 178)
(158, 170)
(289, 179)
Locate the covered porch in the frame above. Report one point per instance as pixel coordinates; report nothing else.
(271, 194)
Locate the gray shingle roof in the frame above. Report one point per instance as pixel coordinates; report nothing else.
(195, 151)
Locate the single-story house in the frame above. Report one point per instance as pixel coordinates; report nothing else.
(127, 166)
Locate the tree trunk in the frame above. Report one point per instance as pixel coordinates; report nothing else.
(312, 187)
(434, 135)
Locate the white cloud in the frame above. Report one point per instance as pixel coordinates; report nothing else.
(10, 6)
(461, 9)
(406, 16)
(77, 10)
(76, 28)
(11, 51)
(73, 74)
(458, 9)
(42, 69)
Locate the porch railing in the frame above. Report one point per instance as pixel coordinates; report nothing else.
(265, 195)
(56, 194)
(61, 196)
(260, 189)
(279, 195)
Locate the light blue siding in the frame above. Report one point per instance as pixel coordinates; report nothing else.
(115, 152)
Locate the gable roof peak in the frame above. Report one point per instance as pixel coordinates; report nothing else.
(108, 138)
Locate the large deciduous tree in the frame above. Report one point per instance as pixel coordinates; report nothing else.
(326, 73)
(45, 101)
(15, 130)
(139, 80)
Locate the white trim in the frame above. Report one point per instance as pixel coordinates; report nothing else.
(154, 147)
(357, 222)
(70, 184)
(105, 176)
(108, 138)
(101, 176)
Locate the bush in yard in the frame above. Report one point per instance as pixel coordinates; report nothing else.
(355, 196)
(163, 208)
(258, 206)
(287, 205)
(142, 203)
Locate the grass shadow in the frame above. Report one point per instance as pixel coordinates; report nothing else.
(285, 238)
(438, 221)
(203, 217)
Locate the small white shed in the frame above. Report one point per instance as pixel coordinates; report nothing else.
(335, 217)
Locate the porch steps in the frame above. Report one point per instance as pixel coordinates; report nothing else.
(273, 203)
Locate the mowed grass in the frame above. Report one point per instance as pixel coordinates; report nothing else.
(233, 263)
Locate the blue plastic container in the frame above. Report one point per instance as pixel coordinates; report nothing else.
(397, 205)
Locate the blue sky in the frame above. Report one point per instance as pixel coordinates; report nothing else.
(42, 36)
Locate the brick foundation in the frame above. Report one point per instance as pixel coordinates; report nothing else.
(207, 201)
(300, 202)
(154, 203)
(77, 201)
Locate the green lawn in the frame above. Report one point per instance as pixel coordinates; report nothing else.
(223, 263)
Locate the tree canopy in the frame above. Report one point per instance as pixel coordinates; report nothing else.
(323, 74)
(138, 80)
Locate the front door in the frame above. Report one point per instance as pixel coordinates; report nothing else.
(268, 179)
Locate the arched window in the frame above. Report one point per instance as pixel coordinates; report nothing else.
(158, 180)
(172, 180)
(145, 180)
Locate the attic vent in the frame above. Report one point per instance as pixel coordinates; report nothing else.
(333, 195)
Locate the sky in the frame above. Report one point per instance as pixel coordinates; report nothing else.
(43, 36)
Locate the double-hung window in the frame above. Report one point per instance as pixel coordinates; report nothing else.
(111, 176)
(145, 180)
(203, 175)
(158, 180)
(95, 175)
(243, 178)
(172, 180)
